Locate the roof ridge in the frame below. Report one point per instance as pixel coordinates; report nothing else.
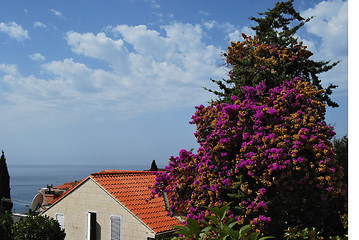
(105, 172)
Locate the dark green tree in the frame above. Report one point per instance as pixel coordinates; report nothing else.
(6, 204)
(273, 55)
(274, 28)
(153, 166)
(37, 228)
(5, 225)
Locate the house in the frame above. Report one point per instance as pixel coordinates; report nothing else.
(46, 196)
(112, 204)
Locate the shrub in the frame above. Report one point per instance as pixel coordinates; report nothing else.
(217, 227)
(37, 228)
(5, 225)
(308, 233)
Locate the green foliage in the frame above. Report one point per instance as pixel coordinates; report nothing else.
(296, 234)
(4, 185)
(274, 27)
(307, 233)
(30, 228)
(37, 228)
(217, 227)
(5, 225)
(273, 55)
(344, 218)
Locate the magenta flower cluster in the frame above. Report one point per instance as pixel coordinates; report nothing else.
(272, 138)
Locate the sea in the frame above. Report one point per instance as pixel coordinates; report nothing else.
(26, 180)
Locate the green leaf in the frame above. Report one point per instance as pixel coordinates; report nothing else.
(215, 210)
(179, 227)
(254, 236)
(223, 211)
(268, 237)
(244, 230)
(193, 225)
(215, 220)
(231, 225)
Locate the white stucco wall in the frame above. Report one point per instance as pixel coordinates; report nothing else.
(90, 197)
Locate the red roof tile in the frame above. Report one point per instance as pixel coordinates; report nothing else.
(131, 188)
(71, 186)
(67, 185)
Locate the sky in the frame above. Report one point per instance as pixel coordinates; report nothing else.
(116, 82)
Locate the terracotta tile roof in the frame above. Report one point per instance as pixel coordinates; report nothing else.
(131, 189)
(67, 185)
(70, 187)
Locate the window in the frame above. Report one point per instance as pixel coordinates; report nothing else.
(91, 225)
(115, 227)
(61, 219)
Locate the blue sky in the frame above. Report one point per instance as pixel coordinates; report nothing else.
(116, 82)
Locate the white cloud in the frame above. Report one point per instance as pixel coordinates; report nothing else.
(56, 13)
(205, 13)
(143, 69)
(100, 47)
(14, 30)
(210, 24)
(145, 53)
(148, 70)
(231, 32)
(330, 23)
(70, 92)
(146, 42)
(37, 57)
(186, 37)
(155, 4)
(39, 25)
(236, 35)
(81, 79)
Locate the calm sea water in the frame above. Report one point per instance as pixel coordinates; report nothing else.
(26, 180)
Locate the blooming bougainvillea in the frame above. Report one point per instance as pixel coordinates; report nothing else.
(269, 153)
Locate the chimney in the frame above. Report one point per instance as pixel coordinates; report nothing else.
(48, 198)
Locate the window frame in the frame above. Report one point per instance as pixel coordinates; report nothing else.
(90, 228)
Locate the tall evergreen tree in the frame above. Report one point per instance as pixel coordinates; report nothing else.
(273, 55)
(6, 204)
(153, 166)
